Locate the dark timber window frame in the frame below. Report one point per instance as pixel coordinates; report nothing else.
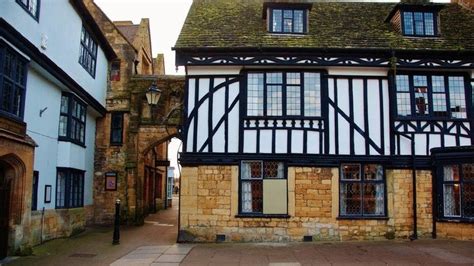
(34, 192)
(77, 134)
(430, 93)
(411, 12)
(362, 181)
(18, 68)
(262, 177)
(88, 52)
(72, 193)
(284, 84)
(282, 19)
(116, 128)
(27, 6)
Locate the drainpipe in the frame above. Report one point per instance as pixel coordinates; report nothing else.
(414, 236)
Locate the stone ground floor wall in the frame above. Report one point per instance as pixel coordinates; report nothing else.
(58, 223)
(210, 198)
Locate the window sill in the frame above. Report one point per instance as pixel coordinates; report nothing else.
(63, 139)
(279, 216)
(455, 220)
(362, 218)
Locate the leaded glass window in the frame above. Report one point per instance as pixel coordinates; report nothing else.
(88, 52)
(284, 94)
(252, 176)
(362, 190)
(72, 119)
(458, 191)
(419, 23)
(13, 72)
(288, 21)
(69, 188)
(439, 96)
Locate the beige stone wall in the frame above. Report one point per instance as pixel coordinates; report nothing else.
(57, 223)
(453, 230)
(209, 205)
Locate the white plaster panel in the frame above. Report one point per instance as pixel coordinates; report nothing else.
(312, 145)
(190, 137)
(88, 154)
(449, 141)
(420, 144)
(358, 103)
(405, 146)
(266, 141)
(281, 140)
(464, 141)
(331, 129)
(218, 106)
(233, 91)
(358, 71)
(359, 144)
(386, 114)
(191, 95)
(250, 141)
(218, 141)
(343, 138)
(203, 87)
(343, 95)
(373, 110)
(203, 126)
(209, 70)
(435, 141)
(297, 141)
(218, 81)
(233, 134)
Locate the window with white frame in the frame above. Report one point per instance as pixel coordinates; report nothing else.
(263, 188)
(458, 191)
(362, 190)
(88, 52)
(284, 94)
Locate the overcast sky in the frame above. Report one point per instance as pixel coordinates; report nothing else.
(166, 19)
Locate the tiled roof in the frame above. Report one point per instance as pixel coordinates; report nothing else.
(129, 31)
(239, 24)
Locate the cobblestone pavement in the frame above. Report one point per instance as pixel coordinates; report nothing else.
(155, 244)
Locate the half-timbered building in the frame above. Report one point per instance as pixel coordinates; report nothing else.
(327, 120)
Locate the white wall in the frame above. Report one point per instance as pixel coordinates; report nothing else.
(62, 26)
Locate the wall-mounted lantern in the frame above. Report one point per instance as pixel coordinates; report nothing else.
(153, 94)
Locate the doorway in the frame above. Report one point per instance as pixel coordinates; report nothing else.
(5, 187)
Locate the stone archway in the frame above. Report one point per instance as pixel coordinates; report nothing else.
(12, 192)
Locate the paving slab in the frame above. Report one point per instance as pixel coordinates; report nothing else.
(170, 258)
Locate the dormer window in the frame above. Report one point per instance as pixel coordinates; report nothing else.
(419, 23)
(287, 20)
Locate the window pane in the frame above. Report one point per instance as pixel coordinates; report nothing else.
(429, 24)
(16, 110)
(277, 19)
(350, 172)
(402, 83)
(63, 126)
(312, 94)
(403, 104)
(457, 97)
(274, 101)
(7, 93)
(420, 81)
(274, 78)
(255, 95)
(439, 105)
(451, 173)
(421, 100)
(438, 84)
(273, 170)
(252, 196)
(8, 64)
(298, 21)
(373, 172)
(373, 199)
(61, 189)
(293, 100)
(419, 28)
(251, 170)
(468, 172)
(468, 200)
(408, 23)
(350, 198)
(451, 200)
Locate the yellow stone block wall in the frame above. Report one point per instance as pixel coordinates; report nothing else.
(209, 205)
(453, 230)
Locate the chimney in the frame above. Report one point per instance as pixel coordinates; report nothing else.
(468, 4)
